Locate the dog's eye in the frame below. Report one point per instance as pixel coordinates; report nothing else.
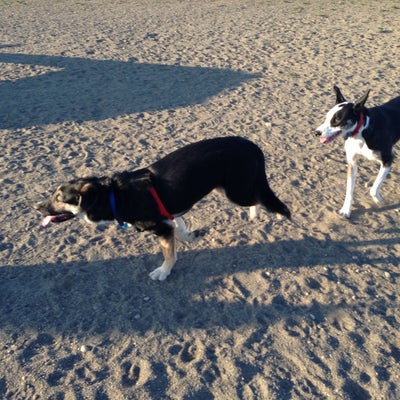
(336, 120)
(71, 199)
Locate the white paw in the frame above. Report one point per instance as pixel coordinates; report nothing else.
(344, 212)
(376, 197)
(253, 212)
(159, 274)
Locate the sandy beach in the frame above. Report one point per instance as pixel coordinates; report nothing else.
(264, 309)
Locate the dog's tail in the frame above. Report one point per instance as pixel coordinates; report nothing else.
(271, 202)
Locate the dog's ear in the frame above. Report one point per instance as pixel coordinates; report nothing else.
(339, 97)
(359, 104)
(88, 195)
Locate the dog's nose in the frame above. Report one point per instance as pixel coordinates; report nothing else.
(317, 133)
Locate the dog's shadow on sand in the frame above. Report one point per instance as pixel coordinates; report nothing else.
(55, 89)
(96, 297)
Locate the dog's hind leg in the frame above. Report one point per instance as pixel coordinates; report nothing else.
(270, 201)
(169, 253)
(253, 211)
(376, 187)
(345, 211)
(183, 235)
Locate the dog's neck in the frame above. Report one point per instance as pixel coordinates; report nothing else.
(359, 125)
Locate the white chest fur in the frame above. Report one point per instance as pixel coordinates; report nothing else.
(356, 146)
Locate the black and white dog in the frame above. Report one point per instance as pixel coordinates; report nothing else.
(155, 198)
(368, 132)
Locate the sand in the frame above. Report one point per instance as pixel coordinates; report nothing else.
(263, 309)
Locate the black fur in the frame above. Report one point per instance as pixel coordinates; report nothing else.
(181, 179)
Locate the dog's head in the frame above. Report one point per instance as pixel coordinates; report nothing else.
(72, 199)
(342, 119)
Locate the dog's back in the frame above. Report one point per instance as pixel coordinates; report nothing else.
(383, 129)
(385, 121)
(234, 164)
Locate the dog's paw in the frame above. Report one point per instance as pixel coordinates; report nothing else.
(159, 274)
(196, 235)
(345, 213)
(376, 197)
(253, 212)
(191, 236)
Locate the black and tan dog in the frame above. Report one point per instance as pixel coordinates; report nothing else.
(155, 198)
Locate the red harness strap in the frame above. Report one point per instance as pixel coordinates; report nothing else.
(161, 208)
(359, 124)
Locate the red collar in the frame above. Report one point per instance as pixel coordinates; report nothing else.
(359, 124)
(161, 208)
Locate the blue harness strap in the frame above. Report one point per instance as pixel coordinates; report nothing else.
(113, 205)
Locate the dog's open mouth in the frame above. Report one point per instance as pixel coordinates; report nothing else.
(325, 140)
(57, 218)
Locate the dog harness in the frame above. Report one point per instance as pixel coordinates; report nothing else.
(113, 205)
(161, 208)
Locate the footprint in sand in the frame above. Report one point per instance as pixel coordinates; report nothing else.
(130, 374)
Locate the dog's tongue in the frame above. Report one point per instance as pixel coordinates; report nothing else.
(47, 220)
(324, 140)
(56, 218)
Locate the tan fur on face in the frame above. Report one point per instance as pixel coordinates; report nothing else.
(59, 206)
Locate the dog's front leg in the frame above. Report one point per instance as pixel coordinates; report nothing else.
(169, 253)
(376, 187)
(345, 211)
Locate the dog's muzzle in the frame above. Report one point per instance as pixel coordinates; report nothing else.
(50, 215)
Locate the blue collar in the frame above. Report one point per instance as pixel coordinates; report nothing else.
(113, 205)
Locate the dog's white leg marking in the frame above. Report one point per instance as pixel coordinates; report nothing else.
(376, 187)
(253, 212)
(345, 211)
(169, 252)
(182, 234)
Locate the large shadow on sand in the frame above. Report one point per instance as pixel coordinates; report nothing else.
(81, 89)
(102, 296)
